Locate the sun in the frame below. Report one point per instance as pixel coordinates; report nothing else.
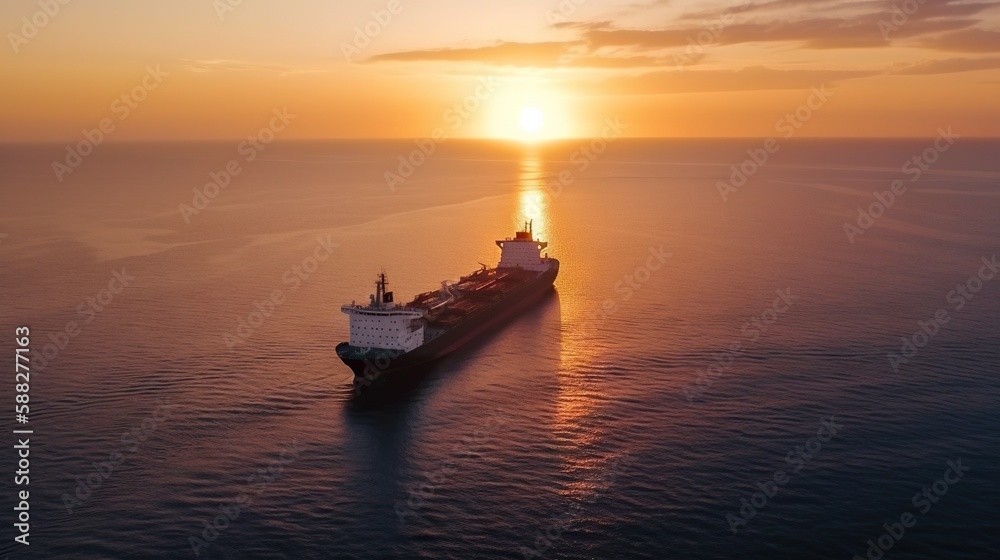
(531, 121)
(530, 111)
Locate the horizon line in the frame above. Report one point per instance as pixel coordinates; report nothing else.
(513, 141)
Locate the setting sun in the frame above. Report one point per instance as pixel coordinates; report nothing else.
(530, 110)
(531, 121)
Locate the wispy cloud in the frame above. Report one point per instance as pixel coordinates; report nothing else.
(503, 53)
(815, 33)
(223, 65)
(950, 66)
(944, 26)
(227, 65)
(568, 54)
(757, 78)
(968, 40)
(947, 25)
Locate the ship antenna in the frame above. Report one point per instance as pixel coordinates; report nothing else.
(380, 284)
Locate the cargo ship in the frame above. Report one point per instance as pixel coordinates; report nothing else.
(388, 341)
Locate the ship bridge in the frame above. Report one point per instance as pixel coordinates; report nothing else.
(524, 251)
(383, 324)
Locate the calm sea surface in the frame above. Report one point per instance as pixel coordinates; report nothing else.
(703, 366)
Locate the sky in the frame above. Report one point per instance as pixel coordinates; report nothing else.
(517, 69)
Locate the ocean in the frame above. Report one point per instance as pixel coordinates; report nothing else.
(748, 353)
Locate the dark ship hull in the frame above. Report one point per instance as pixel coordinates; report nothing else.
(492, 297)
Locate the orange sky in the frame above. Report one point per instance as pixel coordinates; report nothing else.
(662, 67)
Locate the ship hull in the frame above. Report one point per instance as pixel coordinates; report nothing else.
(378, 368)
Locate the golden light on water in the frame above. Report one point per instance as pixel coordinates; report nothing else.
(532, 198)
(576, 399)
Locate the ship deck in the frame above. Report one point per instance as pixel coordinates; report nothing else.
(467, 296)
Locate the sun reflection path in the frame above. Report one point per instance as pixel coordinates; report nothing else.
(532, 202)
(579, 398)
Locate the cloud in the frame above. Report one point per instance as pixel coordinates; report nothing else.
(517, 54)
(949, 66)
(635, 61)
(642, 7)
(568, 54)
(945, 25)
(968, 40)
(757, 78)
(832, 24)
(816, 33)
(223, 65)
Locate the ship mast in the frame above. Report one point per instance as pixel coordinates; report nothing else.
(378, 300)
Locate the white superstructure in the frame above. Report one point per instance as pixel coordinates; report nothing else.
(382, 324)
(523, 251)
